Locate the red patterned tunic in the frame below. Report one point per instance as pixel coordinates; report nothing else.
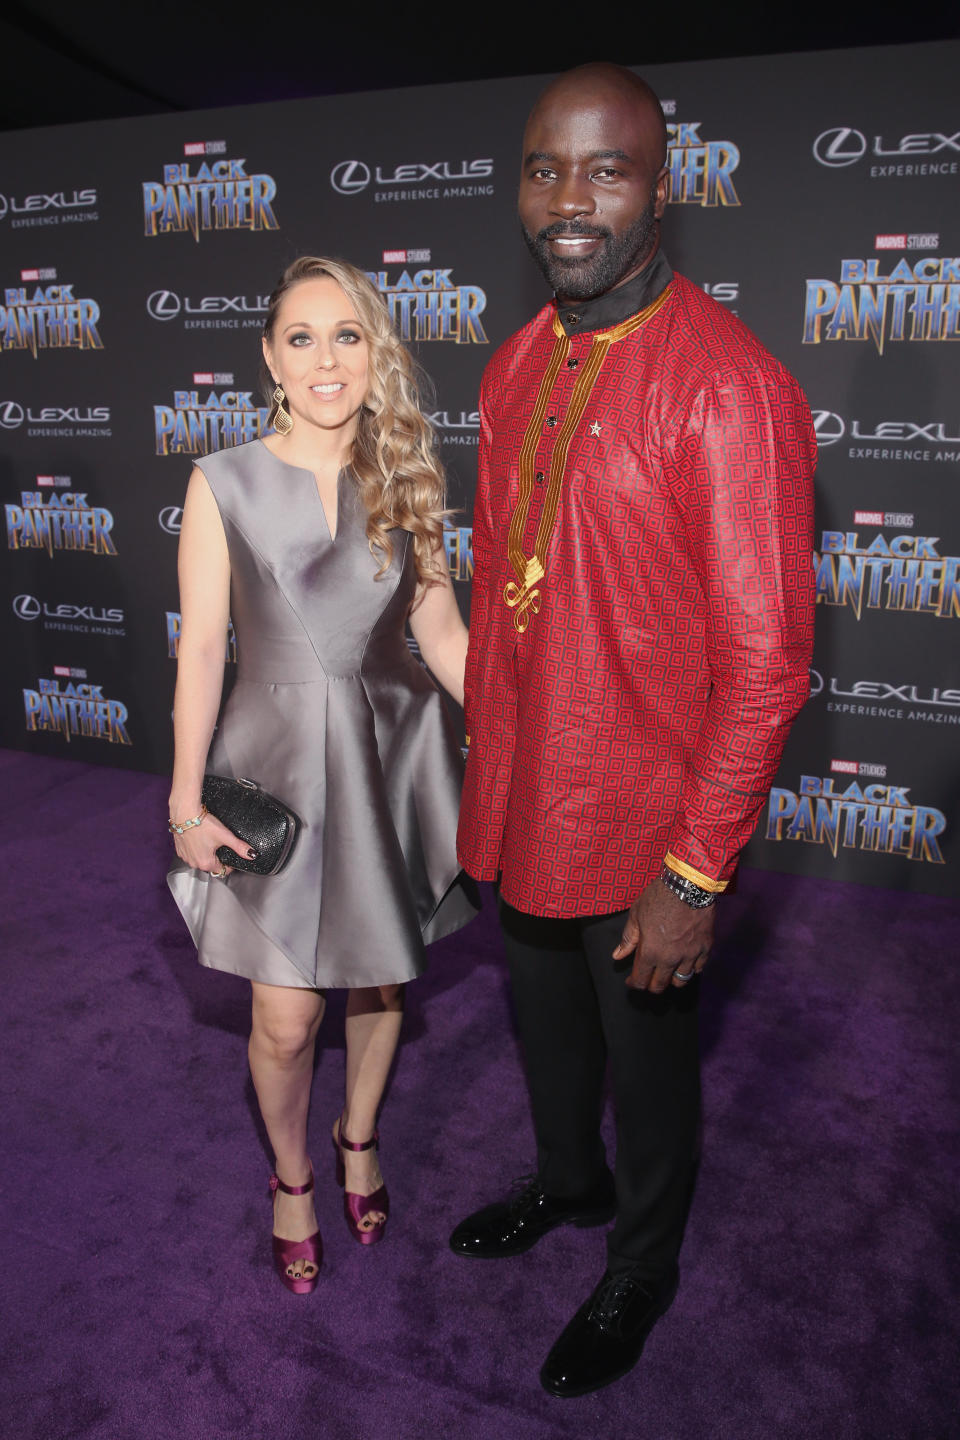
(642, 612)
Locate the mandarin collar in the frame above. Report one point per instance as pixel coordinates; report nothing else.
(580, 316)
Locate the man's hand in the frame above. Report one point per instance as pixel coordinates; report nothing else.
(667, 937)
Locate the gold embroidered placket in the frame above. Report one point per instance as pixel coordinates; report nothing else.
(523, 595)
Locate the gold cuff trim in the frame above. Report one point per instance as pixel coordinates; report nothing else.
(680, 867)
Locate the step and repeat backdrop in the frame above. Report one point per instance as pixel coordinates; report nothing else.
(814, 195)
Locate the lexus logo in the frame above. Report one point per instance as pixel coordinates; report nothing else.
(26, 607)
(163, 305)
(841, 146)
(350, 177)
(4, 207)
(170, 518)
(816, 683)
(829, 427)
(11, 414)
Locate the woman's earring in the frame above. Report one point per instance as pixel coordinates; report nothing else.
(282, 419)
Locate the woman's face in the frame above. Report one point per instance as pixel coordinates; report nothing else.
(318, 353)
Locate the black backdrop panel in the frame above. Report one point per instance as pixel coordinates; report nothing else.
(814, 195)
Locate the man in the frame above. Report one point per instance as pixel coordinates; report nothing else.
(639, 645)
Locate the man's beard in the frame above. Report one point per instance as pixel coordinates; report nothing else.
(585, 279)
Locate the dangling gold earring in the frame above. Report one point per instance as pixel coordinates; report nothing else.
(282, 419)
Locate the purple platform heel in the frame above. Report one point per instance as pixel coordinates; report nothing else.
(287, 1252)
(356, 1206)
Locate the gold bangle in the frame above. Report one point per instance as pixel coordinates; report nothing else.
(176, 829)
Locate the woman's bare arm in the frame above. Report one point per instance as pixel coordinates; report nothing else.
(439, 630)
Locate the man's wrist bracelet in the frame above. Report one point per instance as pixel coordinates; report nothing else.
(693, 895)
(178, 829)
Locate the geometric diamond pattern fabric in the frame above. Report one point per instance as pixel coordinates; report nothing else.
(645, 707)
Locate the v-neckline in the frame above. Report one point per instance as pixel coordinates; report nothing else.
(332, 531)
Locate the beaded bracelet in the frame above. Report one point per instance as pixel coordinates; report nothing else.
(176, 829)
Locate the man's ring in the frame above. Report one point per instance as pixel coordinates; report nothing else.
(678, 976)
(219, 874)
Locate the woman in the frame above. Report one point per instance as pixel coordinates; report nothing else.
(322, 540)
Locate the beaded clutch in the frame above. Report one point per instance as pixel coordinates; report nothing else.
(263, 821)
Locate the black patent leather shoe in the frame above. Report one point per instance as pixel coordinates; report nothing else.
(606, 1336)
(512, 1226)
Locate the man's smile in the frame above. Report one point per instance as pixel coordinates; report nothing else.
(574, 244)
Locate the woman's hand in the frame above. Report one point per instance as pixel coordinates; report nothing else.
(198, 846)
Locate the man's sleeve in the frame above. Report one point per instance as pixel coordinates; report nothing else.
(742, 477)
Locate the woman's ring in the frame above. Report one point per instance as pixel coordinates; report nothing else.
(678, 976)
(219, 874)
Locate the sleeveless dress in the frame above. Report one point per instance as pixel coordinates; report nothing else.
(331, 713)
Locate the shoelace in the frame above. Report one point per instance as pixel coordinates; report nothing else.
(612, 1297)
(526, 1188)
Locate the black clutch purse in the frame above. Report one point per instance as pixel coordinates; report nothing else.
(262, 820)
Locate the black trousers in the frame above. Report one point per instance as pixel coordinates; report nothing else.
(575, 1014)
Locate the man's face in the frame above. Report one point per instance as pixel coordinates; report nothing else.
(591, 190)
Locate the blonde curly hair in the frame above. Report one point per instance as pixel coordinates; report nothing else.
(394, 460)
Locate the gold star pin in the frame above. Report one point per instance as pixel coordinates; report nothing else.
(595, 428)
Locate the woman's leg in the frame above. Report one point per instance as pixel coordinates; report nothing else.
(373, 1022)
(282, 1039)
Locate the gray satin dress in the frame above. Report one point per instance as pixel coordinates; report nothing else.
(331, 713)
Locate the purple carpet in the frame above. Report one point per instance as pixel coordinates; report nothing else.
(819, 1277)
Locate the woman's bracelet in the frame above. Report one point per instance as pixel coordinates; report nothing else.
(176, 829)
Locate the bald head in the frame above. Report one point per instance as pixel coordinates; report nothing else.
(593, 185)
(602, 87)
